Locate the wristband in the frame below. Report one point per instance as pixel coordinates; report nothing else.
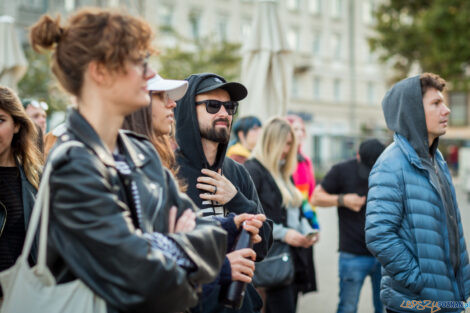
(341, 199)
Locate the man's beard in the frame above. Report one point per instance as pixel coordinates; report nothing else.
(221, 135)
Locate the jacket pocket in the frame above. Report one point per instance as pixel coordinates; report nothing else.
(405, 292)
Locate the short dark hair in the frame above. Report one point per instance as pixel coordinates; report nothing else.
(431, 80)
(244, 125)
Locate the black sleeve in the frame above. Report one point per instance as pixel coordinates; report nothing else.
(331, 183)
(206, 245)
(91, 229)
(267, 196)
(247, 197)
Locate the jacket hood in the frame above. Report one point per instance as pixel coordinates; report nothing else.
(404, 114)
(188, 135)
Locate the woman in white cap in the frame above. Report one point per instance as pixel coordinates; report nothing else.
(156, 121)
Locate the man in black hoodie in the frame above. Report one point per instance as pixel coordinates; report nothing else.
(413, 223)
(218, 185)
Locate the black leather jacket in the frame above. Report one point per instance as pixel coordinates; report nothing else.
(92, 235)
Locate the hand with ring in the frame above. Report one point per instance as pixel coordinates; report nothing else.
(218, 187)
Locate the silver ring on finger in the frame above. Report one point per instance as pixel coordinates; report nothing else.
(215, 190)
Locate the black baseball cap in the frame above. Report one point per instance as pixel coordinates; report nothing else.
(236, 90)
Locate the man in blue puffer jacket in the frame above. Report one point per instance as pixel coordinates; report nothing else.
(413, 223)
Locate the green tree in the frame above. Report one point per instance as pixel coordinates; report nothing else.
(203, 55)
(39, 82)
(432, 33)
(199, 56)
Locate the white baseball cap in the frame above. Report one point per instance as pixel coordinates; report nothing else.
(175, 88)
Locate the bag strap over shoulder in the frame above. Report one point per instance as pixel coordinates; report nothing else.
(41, 209)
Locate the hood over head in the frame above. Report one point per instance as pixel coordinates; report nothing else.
(188, 135)
(369, 152)
(404, 114)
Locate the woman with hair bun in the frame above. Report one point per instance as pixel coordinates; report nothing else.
(20, 167)
(112, 224)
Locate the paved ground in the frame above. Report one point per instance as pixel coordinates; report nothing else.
(326, 260)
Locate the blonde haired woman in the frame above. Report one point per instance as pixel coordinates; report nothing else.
(271, 166)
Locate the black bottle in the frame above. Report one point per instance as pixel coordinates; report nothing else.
(235, 292)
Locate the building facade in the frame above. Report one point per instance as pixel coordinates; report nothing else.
(338, 82)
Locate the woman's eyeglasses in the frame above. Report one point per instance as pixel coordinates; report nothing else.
(213, 106)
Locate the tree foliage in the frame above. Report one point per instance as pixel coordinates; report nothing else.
(431, 33)
(200, 56)
(39, 83)
(178, 62)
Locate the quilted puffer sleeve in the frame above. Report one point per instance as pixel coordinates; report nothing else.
(384, 214)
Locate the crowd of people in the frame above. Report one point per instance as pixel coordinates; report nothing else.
(148, 203)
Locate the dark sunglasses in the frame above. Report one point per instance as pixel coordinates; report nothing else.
(213, 106)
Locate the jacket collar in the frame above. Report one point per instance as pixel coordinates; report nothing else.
(411, 154)
(135, 157)
(407, 150)
(79, 127)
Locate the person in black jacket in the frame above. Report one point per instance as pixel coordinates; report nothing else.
(273, 162)
(110, 196)
(216, 183)
(20, 167)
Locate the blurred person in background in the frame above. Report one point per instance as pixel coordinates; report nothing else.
(304, 176)
(346, 186)
(246, 130)
(304, 181)
(20, 167)
(453, 159)
(413, 224)
(271, 166)
(37, 111)
(109, 193)
(51, 137)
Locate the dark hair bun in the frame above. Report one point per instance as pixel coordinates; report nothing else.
(45, 33)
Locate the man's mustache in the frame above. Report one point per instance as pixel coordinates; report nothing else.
(221, 120)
